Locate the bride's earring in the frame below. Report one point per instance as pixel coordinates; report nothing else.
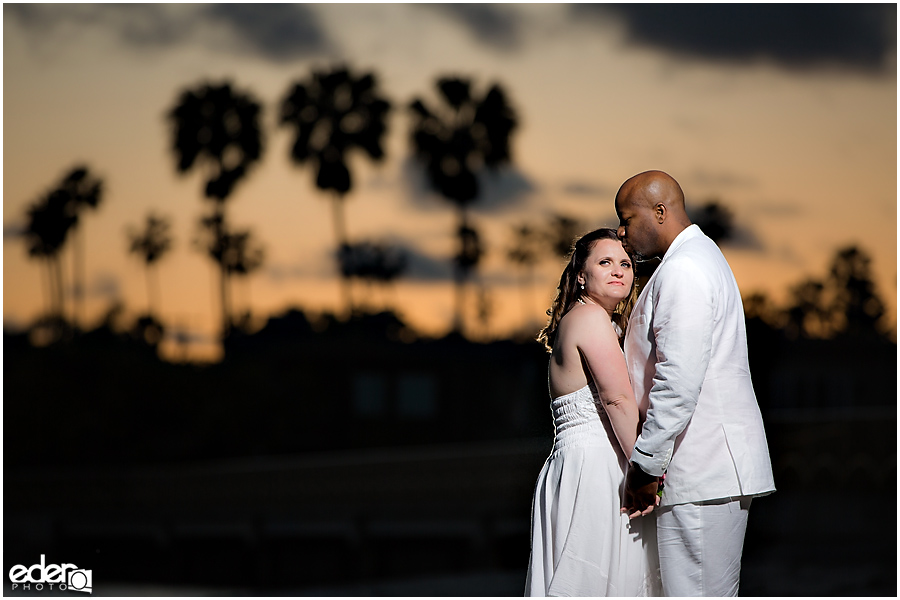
(582, 286)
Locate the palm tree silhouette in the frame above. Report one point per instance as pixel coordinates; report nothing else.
(856, 307)
(49, 222)
(469, 252)
(217, 129)
(808, 315)
(151, 243)
(236, 252)
(333, 112)
(244, 256)
(561, 232)
(84, 192)
(524, 251)
(455, 142)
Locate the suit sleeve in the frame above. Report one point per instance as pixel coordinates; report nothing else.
(684, 310)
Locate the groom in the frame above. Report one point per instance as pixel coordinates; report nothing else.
(686, 350)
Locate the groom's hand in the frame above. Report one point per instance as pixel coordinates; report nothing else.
(640, 492)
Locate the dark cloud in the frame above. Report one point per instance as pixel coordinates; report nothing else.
(722, 179)
(776, 209)
(501, 189)
(491, 24)
(277, 32)
(423, 267)
(13, 231)
(320, 265)
(718, 222)
(136, 24)
(859, 36)
(104, 285)
(744, 238)
(581, 188)
(420, 265)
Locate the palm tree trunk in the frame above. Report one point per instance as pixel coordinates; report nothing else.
(77, 276)
(240, 295)
(532, 307)
(460, 275)
(247, 299)
(157, 296)
(152, 291)
(47, 284)
(223, 273)
(460, 298)
(60, 289)
(226, 305)
(340, 234)
(337, 213)
(526, 305)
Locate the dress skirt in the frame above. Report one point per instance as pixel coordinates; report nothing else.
(581, 544)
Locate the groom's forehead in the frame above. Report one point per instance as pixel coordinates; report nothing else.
(628, 205)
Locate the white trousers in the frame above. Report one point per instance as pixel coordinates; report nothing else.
(700, 546)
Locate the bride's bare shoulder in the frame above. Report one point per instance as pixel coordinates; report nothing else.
(584, 319)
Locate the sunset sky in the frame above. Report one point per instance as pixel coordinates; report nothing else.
(785, 115)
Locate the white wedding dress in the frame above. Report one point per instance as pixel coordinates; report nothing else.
(581, 545)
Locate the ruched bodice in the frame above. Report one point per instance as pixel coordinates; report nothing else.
(579, 419)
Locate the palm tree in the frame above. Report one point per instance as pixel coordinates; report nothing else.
(469, 253)
(217, 129)
(856, 307)
(84, 192)
(455, 142)
(525, 252)
(561, 233)
(151, 244)
(808, 315)
(244, 256)
(332, 113)
(49, 223)
(236, 251)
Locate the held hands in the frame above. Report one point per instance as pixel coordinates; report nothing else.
(640, 492)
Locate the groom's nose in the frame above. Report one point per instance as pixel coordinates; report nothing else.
(620, 231)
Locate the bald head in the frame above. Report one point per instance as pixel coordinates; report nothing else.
(652, 187)
(651, 213)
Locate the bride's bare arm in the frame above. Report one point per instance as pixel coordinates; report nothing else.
(598, 344)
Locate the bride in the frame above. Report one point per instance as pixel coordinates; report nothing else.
(581, 542)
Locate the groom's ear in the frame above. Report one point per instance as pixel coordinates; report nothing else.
(660, 212)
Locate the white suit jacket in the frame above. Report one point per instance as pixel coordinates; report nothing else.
(686, 350)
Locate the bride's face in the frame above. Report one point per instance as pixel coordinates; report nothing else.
(608, 273)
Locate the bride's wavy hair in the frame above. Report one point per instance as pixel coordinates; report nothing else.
(568, 291)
